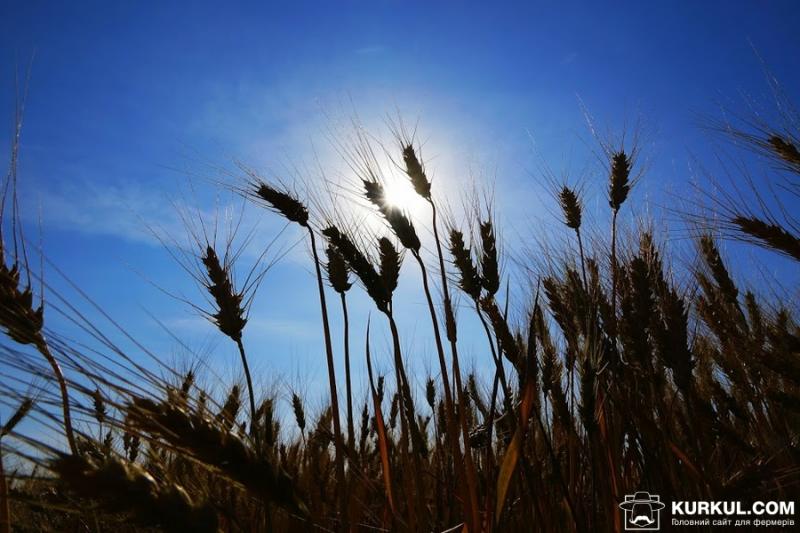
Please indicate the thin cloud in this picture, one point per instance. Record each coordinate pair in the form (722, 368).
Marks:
(371, 50)
(106, 209)
(258, 327)
(139, 214)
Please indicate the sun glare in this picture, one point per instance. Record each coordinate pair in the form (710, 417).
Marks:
(401, 195)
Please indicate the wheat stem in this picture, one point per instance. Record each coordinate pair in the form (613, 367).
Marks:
(41, 345)
(614, 271)
(408, 425)
(472, 499)
(350, 426)
(500, 375)
(337, 430)
(250, 394)
(471, 475)
(583, 258)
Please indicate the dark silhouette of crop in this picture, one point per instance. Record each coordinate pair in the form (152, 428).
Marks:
(625, 370)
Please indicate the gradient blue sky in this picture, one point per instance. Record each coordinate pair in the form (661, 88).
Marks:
(123, 93)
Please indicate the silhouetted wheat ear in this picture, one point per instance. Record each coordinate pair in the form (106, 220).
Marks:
(186, 386)
(131, 441)
(374, 192)
(401, 225)
(22, 410)
(619, 185)
(714, 261)
(269, 426)
(126, 487)
(338, 273)
(769, 235)
(469, 280)
(21, 320)
(230, 409)
(299, 412)
(390, 260)
(416, 172)
(229, 317)
(380, 387)
(394, 410)
(786, 151)
(430, 393)
(471, 391)
(490, 270)
(98, 406)
(360, 265)
(672, 338)
(363, 430)
(219, 449)
(571, 206)
(288, 206)
(508, 344)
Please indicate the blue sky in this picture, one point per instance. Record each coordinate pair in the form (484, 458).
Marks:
(126, 100)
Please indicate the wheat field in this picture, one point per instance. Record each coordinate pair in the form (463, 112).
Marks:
(627, 369)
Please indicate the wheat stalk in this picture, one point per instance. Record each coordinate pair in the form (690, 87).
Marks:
(23, 323)
(294, 210)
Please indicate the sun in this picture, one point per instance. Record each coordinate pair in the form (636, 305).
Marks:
(401, 195)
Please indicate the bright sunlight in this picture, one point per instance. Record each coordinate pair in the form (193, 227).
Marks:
(400, 194)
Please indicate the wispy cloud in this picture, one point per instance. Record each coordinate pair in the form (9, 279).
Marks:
(258, 327)
(106, 209)
(569, 58)
(371, 50)
(264, 327)
(136, 213)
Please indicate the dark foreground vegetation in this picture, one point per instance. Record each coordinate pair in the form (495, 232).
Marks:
(629, 370)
